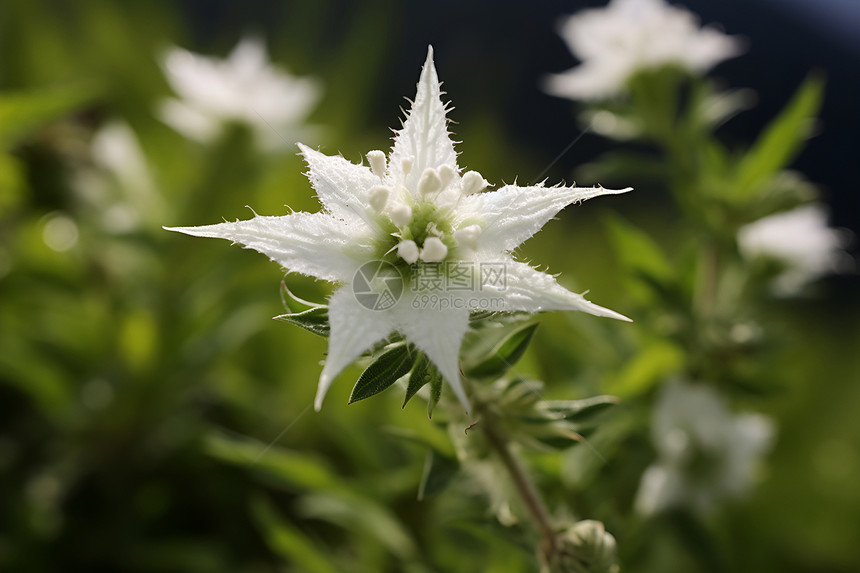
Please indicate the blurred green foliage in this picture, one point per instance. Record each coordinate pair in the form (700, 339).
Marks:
(153, 419)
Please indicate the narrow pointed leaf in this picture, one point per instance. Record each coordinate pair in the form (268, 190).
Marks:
(435, 394)
(636, 250)
(523, 392)
(580, 410)
(559, 441)
(312, 319)
(288, 541)
(505, 354)
(392, 365)
(422, 372)
(781, 141)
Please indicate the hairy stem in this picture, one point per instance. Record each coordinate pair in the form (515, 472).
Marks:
(523, 484)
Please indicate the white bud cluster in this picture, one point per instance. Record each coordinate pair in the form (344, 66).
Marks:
(440, 185)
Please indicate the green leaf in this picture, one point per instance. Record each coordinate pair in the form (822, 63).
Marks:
(308, 315)
(654, 363)
(422, 373)
(359, 513)
(435, 394)
(580, 410)
(292, 469)
(635, 249)
(392, 365)
(556, 441)
(312, 319)
(288, 541)
(780, 142)
(503, 354)
(22, 113)
(521, 392)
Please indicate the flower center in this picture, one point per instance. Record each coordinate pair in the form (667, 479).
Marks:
(426, 235)
(419, 222)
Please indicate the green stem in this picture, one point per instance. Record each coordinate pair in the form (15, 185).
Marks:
(523, 484)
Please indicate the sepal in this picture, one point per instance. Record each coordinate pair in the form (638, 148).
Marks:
(493, 349)
(395, 362)
(308, 315)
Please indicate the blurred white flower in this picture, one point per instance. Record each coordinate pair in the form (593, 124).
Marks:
(242, 88)
(705, 453)
(119, 185)
(626, 36)
(801, 240)
(404, 218)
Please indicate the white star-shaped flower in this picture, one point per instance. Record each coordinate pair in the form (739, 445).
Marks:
(413, 218)
(243, 88)
(626, 36)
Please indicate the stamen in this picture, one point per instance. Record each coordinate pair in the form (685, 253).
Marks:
(377, 162)
(429, 182)
(378, 197)
(472, 182)
(446, 173)
(467, 237)
(408, 251)
(434, 250)
(401, 214)
(406, 165)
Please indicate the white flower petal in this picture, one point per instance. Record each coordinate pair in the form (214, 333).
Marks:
(244, 87)
(248, 57)
(354, 329)
(438, 334)
(659, 489)
(513, 214)
(116, 149)
(314, 244)
(801, 239)
(526, 289)
(190, 121)
(616, 41)
(190, 75)
(425, 134)
(342, 186)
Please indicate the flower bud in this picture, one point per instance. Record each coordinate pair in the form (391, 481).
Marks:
(585, 547)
